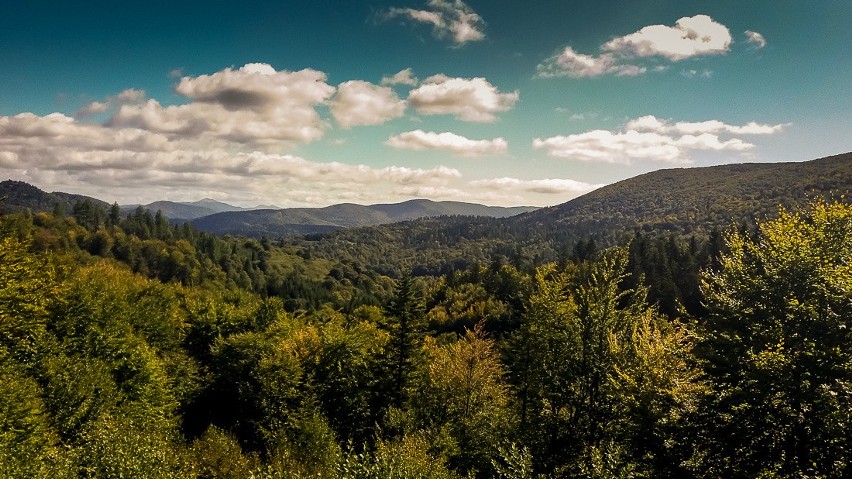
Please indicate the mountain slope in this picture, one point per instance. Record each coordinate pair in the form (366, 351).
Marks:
(20, 196)
(678, 201)
(186, 211)
(274, 223)
(686, 199)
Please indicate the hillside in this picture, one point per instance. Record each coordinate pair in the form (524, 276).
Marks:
(686, 199)
(20, 196)
(186, 210)
(680, 201)
(275, 223)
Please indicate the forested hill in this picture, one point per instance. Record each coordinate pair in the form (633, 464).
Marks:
(274, 223)
(20, 196)
(185, 210)
(688, 199)
(681, 201)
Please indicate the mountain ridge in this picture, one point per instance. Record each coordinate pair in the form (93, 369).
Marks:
(682, 201)
(287, 221)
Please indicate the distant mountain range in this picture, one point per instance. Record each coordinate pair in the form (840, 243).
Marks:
(186, 211)
(678, 201)
(274, 223)
(221, 218)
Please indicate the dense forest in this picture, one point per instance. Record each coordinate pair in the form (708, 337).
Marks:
(132, 347)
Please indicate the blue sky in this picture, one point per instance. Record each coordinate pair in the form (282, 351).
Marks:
(497, 102)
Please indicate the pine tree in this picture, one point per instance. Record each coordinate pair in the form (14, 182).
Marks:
(406, 314)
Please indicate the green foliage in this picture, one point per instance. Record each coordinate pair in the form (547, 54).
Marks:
(29, 447)
(132, 348)
(28, 285)
(779, 349)
(598, 373)
(407, 458)
(406, 328)
(217, 454)
(127, 444)
(464, 398)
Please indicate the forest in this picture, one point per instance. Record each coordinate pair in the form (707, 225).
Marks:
(132, 347)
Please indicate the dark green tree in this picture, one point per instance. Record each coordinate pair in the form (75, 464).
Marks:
(405, 324)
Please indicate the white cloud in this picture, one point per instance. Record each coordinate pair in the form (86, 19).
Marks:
(257, 86)
(362, 103)
(422, 140)
(653, 139)
(652, 123)
(692, 73)
(543, 186)
(134, 165)
(449, 19)
(608, 147)
(755, 39)
(252, 105)
(577, 65)
(646, 123)
(130, 96)
(403, 77)
(470, 99)
(689, 37)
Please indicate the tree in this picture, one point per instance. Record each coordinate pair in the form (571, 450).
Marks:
(779, 349)
(405, 314)
(463, 395)
(598, 373)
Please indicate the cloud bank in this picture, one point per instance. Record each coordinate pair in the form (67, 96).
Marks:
(230, 138)
(649, 138)
(58, 150)
(422, 140)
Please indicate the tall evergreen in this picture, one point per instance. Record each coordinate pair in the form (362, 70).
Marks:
(405, 313)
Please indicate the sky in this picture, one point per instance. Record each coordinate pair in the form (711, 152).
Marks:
(489, 101)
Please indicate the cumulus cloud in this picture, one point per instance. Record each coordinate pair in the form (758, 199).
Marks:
(449, 19)
(403, 77)
(423, 140)
(130, 96)
(689, 37)
(252, 105)
(362, 103)
(136, 164)
(654, 139)
(755, 39)
(469, 99)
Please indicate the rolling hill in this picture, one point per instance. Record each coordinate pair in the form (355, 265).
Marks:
(679, 201)
(688, 199)
(275, 223)
(20, 196)
(186, 211)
